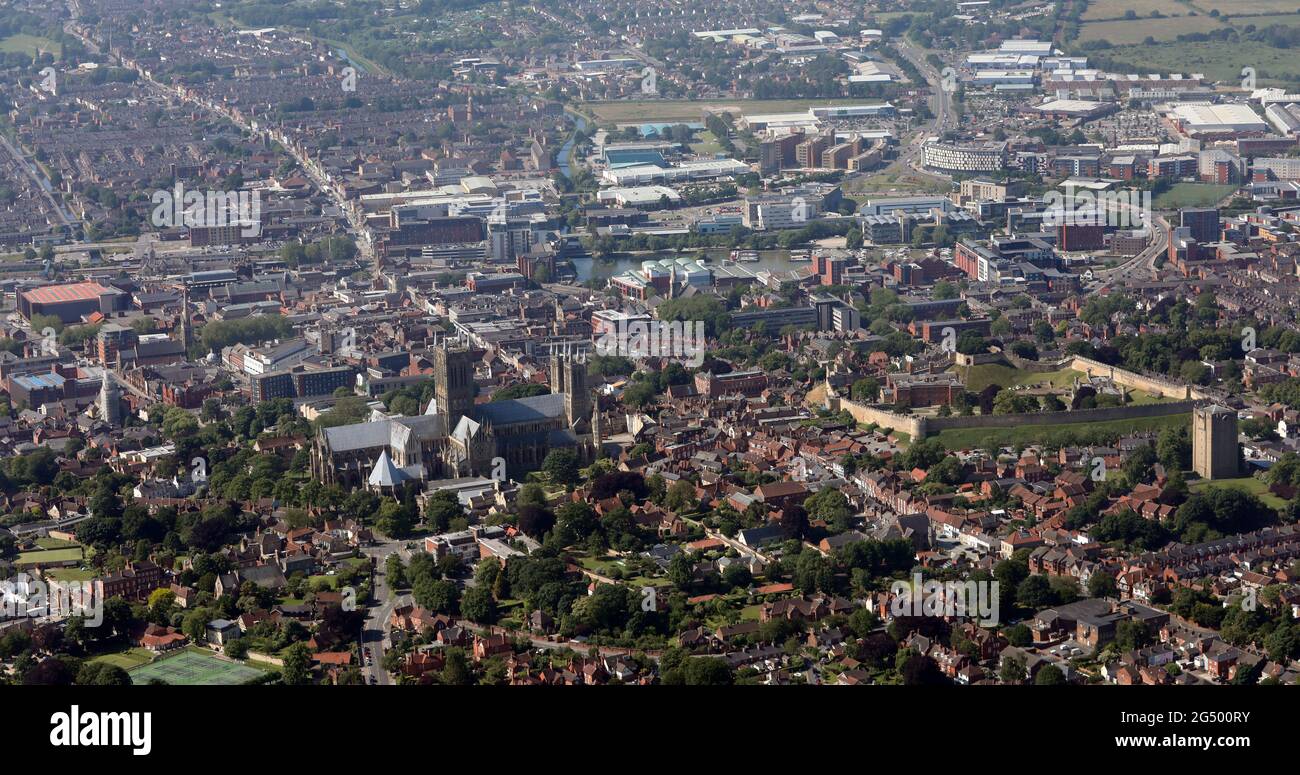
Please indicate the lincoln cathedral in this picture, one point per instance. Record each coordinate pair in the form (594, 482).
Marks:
(456, 437)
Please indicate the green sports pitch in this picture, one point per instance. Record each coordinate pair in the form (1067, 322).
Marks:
(194, 668)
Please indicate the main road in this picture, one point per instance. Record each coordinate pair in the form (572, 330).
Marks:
(374, 630)
(309, 166)
(941, 106)
(1142, 263)
(41, 182)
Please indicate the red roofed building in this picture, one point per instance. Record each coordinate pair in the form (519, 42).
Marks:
(157, 638)
(332, 658)
(72, 301)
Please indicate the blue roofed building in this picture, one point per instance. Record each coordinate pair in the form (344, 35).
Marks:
(36, 389)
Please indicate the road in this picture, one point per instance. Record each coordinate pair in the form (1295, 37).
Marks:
(374, 630)
(941, 105)
(39, 179)
(308, 165)
(1143, 263)
(313, 170)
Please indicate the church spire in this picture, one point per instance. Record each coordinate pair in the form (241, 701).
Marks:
(596, 441)
(186, 335)
(110, 401)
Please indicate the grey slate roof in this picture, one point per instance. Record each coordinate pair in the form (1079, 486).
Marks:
(367, 435)
(520, 410)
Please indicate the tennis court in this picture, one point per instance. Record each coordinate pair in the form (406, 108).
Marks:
(192, 668)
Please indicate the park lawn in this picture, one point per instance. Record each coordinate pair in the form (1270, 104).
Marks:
(317, 583)
(45, 542)
(42, 556)
(985, 374)
(127, 660)
(899, 181)
(1142, 398)
(988, 438)
(22, 43)
(604, 568)
(1249, 484)
(70, 574)
(1191, 195)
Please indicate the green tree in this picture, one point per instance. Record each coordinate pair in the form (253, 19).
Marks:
(439, 596)
(680, 496)
(477, 605)
(1013, 669)
(1049, 675)
(456, 670)
(297, 665)
(1102, 584)
(561, 466)
(707, 671)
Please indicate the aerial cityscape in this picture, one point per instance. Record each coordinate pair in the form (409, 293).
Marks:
(599, 342)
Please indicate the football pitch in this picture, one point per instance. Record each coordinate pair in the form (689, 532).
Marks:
(194, 668)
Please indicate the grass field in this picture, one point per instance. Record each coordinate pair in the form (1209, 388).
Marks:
(1124, 31)
(901, 181)
(1270, 20)
(1239, 7)
(985, 374)
(45, 542)
(70, 574)
(1249, 484)
(606, 568)
(1218, 62)
(988, 438)
(23, 43)
(127, 660)
(1115, 9)
(195, 667)
(323, 582)
(706, 145)
(1142, 398)
(49, 555)
(1191, 195)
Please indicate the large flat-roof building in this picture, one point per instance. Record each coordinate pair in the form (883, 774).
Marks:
(1218, 120)
(70, 302)
(699, 169)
